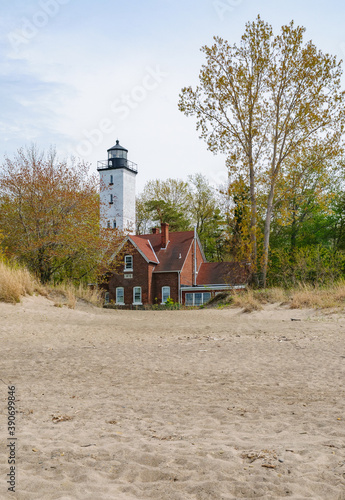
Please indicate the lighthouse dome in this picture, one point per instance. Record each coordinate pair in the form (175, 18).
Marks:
(117, 151)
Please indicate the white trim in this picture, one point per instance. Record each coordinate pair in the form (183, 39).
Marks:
(162, 294)
(200, 288)
(185, 259)
(142, 253)
(154, 253)
(202, 293)
(141, 296)
(201, 249)
(126, 240)
(175, 271)
(128, 269)
(164, 248)
(121, 245)
(123, 290)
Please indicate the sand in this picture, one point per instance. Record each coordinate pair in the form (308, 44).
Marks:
(173, 405)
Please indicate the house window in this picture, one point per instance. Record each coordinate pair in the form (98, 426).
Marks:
(189, 299)
(111, 198)
(120, 295)
(114, 224)
(137, 295)
(111, 180)
(129, 263)
(197, 299)
(165, 293)
(106, 298)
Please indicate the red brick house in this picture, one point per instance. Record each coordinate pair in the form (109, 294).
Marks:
(153, 267)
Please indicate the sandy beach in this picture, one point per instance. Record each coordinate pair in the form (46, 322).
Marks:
(173, 405)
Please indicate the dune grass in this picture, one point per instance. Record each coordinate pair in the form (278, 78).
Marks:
(319, 297)
(247, 301)
(303, 296)
(15, 282)
(67, 294)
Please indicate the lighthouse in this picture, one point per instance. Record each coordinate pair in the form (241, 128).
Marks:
(117, 190)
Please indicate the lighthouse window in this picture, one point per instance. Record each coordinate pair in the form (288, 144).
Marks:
(111, 199)
(114, 224)
(117, 154)
(111, 179)
(129, 263)
(108, 224)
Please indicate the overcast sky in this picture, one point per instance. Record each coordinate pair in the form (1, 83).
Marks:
(80, 74)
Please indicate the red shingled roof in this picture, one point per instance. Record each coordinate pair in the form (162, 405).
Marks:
(223, 273)
(170, 258)
(145, 247)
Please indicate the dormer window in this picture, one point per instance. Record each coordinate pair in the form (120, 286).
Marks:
(128, 262)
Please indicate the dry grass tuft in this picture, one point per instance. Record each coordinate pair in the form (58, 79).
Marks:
(91, 295)
(15, 282)
(303, 296)
(321, 298)
(272, 295)
(247, 301)
(67, 294)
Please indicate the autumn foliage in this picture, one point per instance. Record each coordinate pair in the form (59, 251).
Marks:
(274, 105)
(49, 217)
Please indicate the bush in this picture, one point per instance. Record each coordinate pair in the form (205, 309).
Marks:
(309, 265)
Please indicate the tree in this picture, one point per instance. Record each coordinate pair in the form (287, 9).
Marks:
(265, 103)
(163, 211)
(183, 204)
(143, 220)
(236, 206)
(206, 215)
(50, 216)
(164, 201)
(302, 215)
(172, 191)
(203, 200)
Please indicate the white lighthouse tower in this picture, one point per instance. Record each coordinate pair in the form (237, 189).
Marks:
(117, 190)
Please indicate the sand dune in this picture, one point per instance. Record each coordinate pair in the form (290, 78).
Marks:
(208, 404)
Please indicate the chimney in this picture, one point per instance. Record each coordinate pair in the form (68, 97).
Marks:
(155, 230)
(165, 234)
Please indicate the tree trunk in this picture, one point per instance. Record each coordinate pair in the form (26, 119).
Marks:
(294, 229)
(253, 224)
(267, 236)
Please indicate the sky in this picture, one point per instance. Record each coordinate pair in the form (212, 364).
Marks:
(80, 74)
